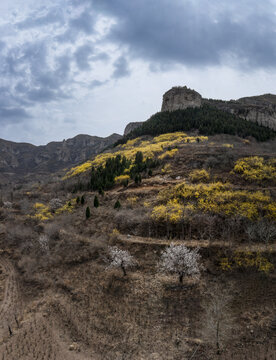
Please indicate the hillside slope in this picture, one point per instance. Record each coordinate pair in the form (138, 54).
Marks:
(62, 299)
(21, 159)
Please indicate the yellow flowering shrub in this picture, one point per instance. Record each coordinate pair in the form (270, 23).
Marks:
(146, 204)
(150, 148)
(42, 212)
(245, 260)
(219, 198)
(199, 175)
(168, 154)
(120, 179)
(228, 146)
(255, 168)
(68, 207)
(132, 200)
(166, 169)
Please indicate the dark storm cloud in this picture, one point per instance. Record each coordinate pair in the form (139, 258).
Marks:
(12, 115)
(121, 68)
(195, 32)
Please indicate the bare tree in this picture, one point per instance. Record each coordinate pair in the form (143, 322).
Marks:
(178, 259)
(263, 231)
(218, 322)
(120, 259)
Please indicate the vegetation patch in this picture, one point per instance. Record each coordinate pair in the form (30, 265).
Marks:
(163, 146)
(206, 119)
(199, 175)
(256, 169)
(246, 260)
(214, 198)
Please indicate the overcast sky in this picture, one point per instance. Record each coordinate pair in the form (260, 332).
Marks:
(91, 66)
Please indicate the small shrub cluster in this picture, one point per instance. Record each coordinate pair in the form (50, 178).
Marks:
(199, 175)
(245, 260)
(256, 169)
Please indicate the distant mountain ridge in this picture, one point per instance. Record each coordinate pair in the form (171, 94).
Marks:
(22, 159)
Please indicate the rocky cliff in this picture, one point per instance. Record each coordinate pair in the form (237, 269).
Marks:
(21, 159)
(131, 126)
(180, 98)
(260, 109)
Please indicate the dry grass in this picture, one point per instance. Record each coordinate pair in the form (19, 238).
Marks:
(64, 304)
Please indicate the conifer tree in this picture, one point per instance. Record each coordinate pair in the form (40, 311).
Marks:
(117, 205)
(82, 200)
(96, 202)
(87, 212)
(78, 200)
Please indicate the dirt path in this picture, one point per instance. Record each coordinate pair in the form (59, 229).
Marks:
(196, 243)
(11, 305)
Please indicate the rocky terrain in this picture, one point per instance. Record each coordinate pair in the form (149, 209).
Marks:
(161, 247)
(60, 298)
(22, 159)
(259, 109)
(131, 126)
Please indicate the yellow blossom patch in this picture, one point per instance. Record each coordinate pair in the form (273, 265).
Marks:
(256, 169)
(149, 148)
(120, 179)
(199, 175)
(245, 260)
(218, 198)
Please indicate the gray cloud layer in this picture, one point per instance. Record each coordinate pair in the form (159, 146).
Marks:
(46, 51)
(196, 32)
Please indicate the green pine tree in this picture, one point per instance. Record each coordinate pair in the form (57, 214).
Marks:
(87, 212)
(96, 202)
(117, 205)
(82, 200)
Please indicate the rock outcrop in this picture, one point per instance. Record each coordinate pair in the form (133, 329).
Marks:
(260, 109)
(131, 126)
(180, 98)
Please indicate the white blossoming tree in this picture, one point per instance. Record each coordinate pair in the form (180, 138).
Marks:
(43, 241)
(55, 204)
(120, 259)
(178, 259)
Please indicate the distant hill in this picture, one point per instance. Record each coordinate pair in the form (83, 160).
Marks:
(206, 119)
(23, 159)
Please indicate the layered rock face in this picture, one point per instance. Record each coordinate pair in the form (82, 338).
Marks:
(260, 109)
(180, 98)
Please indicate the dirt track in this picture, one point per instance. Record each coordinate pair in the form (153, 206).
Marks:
(34, 335)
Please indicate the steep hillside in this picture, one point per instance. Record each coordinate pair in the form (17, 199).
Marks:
(206, 120)
(66, 295)
(21, 159)
(255, 109)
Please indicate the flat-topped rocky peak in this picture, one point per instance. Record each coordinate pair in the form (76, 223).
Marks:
(259, 109)
(180, 98)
